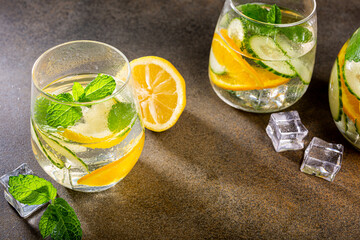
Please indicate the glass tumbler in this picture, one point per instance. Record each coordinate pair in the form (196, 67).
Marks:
(262, 56)
(344, 90)
(86, 127)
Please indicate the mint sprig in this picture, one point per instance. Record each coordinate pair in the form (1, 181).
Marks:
(54, 115)
(59, 219)
(260, 13)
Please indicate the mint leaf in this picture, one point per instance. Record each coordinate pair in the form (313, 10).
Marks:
(254, 11)
(31, 190)
(40, 110)
(274, 15)
(77, 91)
(353, 49)
(101, 87)
(120, 116)
(297, 34)
(61, 115)
(60, 221)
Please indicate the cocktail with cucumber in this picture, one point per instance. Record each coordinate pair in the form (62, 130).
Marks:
(344, 90)
(262, 55)
(86, 130)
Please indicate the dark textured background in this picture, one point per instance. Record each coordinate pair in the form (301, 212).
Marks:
(215, 173)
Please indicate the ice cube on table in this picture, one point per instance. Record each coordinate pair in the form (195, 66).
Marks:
(322, 159)
(286, 131)
(24, 210)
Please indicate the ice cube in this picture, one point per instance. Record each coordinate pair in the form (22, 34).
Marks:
(23, 209)
(286, 131)
(322, 159)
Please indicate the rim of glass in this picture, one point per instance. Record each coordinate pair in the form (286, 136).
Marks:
(274, 24)
(81, 103)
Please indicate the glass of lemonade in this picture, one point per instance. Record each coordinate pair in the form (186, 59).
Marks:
(344, 90)
(86, 127)
(262, 55)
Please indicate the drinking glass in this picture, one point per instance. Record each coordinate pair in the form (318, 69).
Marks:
(344, 90)
(86, 144)
(260, 61)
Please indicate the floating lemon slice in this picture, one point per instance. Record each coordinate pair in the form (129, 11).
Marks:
(160, 90)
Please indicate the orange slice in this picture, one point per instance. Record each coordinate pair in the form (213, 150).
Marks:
(240, 75)
(350, 102)
(160, 90)
(114, 171)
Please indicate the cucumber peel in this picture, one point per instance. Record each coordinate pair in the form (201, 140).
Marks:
(335, 93)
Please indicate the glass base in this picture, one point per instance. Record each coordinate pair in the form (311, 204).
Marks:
(264, 100)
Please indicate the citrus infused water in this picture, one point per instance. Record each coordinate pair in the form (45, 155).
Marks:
(262, 56)
(344, 90)
(83, 140)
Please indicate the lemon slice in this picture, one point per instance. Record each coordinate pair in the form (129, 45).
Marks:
(160, 90)
(116, 170)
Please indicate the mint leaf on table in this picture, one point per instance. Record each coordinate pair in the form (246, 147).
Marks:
(120, 116)
(31, 190)
(101, 87)
(77, 91)
(61, 115)
(60, 221)
(297, 34)
(353, 49)
(274, 15)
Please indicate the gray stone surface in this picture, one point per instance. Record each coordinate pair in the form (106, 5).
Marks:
(214, 175)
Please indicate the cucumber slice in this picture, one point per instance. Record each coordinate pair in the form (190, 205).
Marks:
(335, 92)
(64, 151)
(236, 31)
(215, 65)
(273, 58)
(352, 77)
(53, 159)
(300, 55)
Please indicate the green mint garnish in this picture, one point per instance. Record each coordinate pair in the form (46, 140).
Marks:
(297, 34)
(61, 115)
(353, 49)
(120, 116)
(274, 15)
(101, 87)
(52, 115)
(59, 219)
(31, 190)
(40, 110)
(77, 91)
(255, 11)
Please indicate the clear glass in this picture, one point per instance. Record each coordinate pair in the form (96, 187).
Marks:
(286, 131)
(99, 149)
(263, 67)
(322, 159)
(344, 95)
(24, 210)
